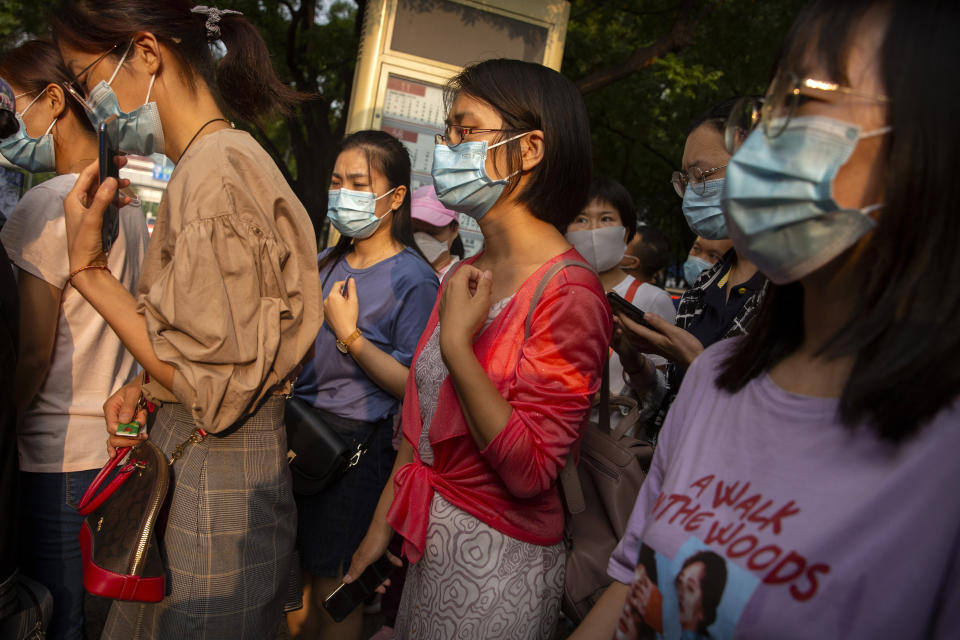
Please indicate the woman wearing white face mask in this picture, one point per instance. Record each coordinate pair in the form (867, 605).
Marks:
(227, 305)
(435, 231)
(600, 233)
(61, 412)
(378, 295)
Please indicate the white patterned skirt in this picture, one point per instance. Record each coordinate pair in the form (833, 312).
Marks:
(474, 583)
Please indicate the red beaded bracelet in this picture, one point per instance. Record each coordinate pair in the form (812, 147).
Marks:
(89, 266)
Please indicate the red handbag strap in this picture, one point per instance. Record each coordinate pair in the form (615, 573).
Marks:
(632, 290)
(90, 499)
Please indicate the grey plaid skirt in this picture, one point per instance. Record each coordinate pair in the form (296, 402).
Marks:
(229, 537)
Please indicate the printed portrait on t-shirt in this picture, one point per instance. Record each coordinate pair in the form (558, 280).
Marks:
(695, 595)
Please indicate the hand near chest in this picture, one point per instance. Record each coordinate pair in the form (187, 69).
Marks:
(464, 306)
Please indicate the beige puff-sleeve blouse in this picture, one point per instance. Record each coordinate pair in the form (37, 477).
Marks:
(229, 286)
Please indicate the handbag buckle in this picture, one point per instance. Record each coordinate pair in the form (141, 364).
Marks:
(355, 458)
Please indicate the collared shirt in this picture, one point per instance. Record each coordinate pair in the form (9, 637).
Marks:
(725, 318)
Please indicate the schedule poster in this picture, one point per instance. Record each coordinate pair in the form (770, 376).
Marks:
(413, 112)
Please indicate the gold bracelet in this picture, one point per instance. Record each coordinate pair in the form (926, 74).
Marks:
(89, 266)
(343, 344)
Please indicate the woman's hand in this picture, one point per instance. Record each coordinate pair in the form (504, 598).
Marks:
(464, 306)
(341, 310)
(371, 548)
(120, 407)
(83, 209)
(675, 344)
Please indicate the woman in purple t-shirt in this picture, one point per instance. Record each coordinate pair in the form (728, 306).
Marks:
(805, 480)
(378, 293)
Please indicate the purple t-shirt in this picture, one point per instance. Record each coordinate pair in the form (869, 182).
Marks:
(395, 297)
(764, 517)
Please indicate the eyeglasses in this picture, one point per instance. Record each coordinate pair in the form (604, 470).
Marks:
(779, 105)
(76, 86)
(455, 133)
(695, 177)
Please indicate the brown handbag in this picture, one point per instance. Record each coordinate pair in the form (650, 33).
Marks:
(601, 490)
(600, 493)
(118, 547)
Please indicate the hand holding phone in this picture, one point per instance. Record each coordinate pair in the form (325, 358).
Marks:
(107, 152)
(620, 305)
(348, 597)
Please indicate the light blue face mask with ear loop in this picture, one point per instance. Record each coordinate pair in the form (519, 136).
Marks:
(353, 213)
(36, 155)
(779, 201)
(139, 131)
(460, 177)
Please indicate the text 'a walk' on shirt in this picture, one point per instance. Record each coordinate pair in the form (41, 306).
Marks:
(395, 297)
(764, 517)
(62, 430)
(229, 287)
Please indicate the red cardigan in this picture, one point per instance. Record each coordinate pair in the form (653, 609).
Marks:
(549, 380)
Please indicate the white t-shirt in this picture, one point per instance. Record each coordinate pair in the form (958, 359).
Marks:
(647, 298)
(63, 430)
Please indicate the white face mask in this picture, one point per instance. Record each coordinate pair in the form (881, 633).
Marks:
(602, 248)
(430, 247)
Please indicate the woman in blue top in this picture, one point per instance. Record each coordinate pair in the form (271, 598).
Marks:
(378, 292)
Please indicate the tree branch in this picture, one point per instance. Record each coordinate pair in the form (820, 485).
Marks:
(680, 35)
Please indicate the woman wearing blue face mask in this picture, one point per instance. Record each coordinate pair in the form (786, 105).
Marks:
(723, 296)
(841, 408)
(61, 409)
(503, 375)
(227, 305)
(378, 293)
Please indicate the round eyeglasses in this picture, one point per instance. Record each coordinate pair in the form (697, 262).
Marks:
(779, 105)
(694, 177)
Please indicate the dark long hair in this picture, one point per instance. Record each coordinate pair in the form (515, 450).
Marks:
(244, 81)
(905, 326)
(530, 96)
(388, 157)
(36, 64)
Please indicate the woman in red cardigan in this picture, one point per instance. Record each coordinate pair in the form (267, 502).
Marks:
(492, 408)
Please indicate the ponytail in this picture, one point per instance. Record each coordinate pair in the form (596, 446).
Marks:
(244, 81)
(245, 77)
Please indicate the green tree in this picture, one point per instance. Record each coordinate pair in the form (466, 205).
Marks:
(647, 69)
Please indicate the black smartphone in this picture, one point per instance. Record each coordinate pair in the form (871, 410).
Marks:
(348, 597)
(107, 152)
(620, 305)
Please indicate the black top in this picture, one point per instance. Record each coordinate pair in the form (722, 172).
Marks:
(719, 311)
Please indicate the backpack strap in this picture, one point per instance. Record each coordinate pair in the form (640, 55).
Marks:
(569, 480)
(632, 290)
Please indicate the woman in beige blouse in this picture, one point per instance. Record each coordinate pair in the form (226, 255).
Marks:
(227, 305)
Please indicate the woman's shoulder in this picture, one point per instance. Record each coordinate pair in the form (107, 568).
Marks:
(413, 267)
(36, 208)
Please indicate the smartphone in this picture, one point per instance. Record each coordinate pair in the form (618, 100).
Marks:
(107, 152)
(348, 597)
(620, 305)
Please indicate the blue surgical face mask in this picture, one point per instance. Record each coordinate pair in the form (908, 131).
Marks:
(139, 131)
(35, 155)
(779, 201)
(460, 177)
(693, 267)
(353, 213)
(703, 212)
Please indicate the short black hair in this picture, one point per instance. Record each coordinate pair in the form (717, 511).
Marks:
(531, 96)
(612, 192)
(903, 330)
(653, 251)
(716, 116)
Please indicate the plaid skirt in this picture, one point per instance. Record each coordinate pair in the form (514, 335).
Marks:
(229, 537)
